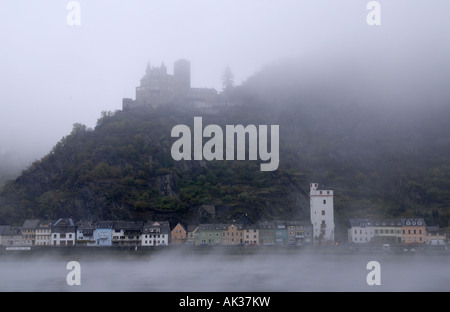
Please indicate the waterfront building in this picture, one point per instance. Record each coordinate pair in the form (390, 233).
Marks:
(266, 233)
(281, 234)
(233, 234)
(299, 232)
(11, 236)
(127, 233)
(387, 231)
(435, 236)
(413, 231)
(43, 233)
(361, 231)
(178, 234)
(29, 228)
(63, 233)
(322, 214)
(210, 234)
(251, 234)
(155, 233)
(85, 233)
(103, 233)
(191, 234)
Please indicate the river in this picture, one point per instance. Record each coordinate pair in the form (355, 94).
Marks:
(218, 270)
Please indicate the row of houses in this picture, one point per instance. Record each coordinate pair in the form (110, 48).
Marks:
(65, 232)
(262, 233)
(394, 231)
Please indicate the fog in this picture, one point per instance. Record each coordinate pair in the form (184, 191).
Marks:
(53, 75)
(221, 271)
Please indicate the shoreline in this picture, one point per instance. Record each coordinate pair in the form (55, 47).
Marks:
(240, 250)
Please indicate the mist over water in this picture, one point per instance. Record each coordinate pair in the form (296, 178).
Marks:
(217, 271)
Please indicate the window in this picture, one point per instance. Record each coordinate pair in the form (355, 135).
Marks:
(324, 201)
(323, 212)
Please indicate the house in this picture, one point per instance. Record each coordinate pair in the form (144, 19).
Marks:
(299, 232)
(266, 233)
(85, 233)
(251, 234)
(43, 233)
(127, 233)
(387, 231)
(191, 234)
(2, 229)
(29, 228)
(210, 234)
(361, 231)
(156, 233)
(12, 236)
(281, 234)
(178, 234)
(435, 237)
(63, 233)
(413, 230)
(103, 233)
(233, 234)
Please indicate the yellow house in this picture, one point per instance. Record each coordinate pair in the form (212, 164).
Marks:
(233, 235)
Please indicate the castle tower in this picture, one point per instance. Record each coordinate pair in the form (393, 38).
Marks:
(322, 214)
(182, 75)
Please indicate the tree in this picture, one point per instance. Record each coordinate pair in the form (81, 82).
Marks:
(227, 79)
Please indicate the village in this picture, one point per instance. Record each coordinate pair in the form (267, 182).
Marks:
(319, 230)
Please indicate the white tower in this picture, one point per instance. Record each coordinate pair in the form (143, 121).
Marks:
(322, 214)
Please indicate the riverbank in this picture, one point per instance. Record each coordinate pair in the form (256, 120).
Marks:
(83, 251)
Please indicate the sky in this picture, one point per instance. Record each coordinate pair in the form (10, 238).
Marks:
(53, 74)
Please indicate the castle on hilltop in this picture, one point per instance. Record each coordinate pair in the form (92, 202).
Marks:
(159, 87)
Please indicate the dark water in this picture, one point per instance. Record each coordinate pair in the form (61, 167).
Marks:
(179, 271)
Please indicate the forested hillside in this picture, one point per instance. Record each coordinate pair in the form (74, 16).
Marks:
(380, 163)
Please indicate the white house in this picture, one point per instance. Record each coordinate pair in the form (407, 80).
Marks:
(361, 231)
(322, 214)
(43, 233)
(63, 233)
(156, 234)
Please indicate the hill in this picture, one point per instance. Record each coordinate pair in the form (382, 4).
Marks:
(380, 162)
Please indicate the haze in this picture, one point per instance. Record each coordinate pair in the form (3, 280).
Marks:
(53, 75)
(223, 271)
